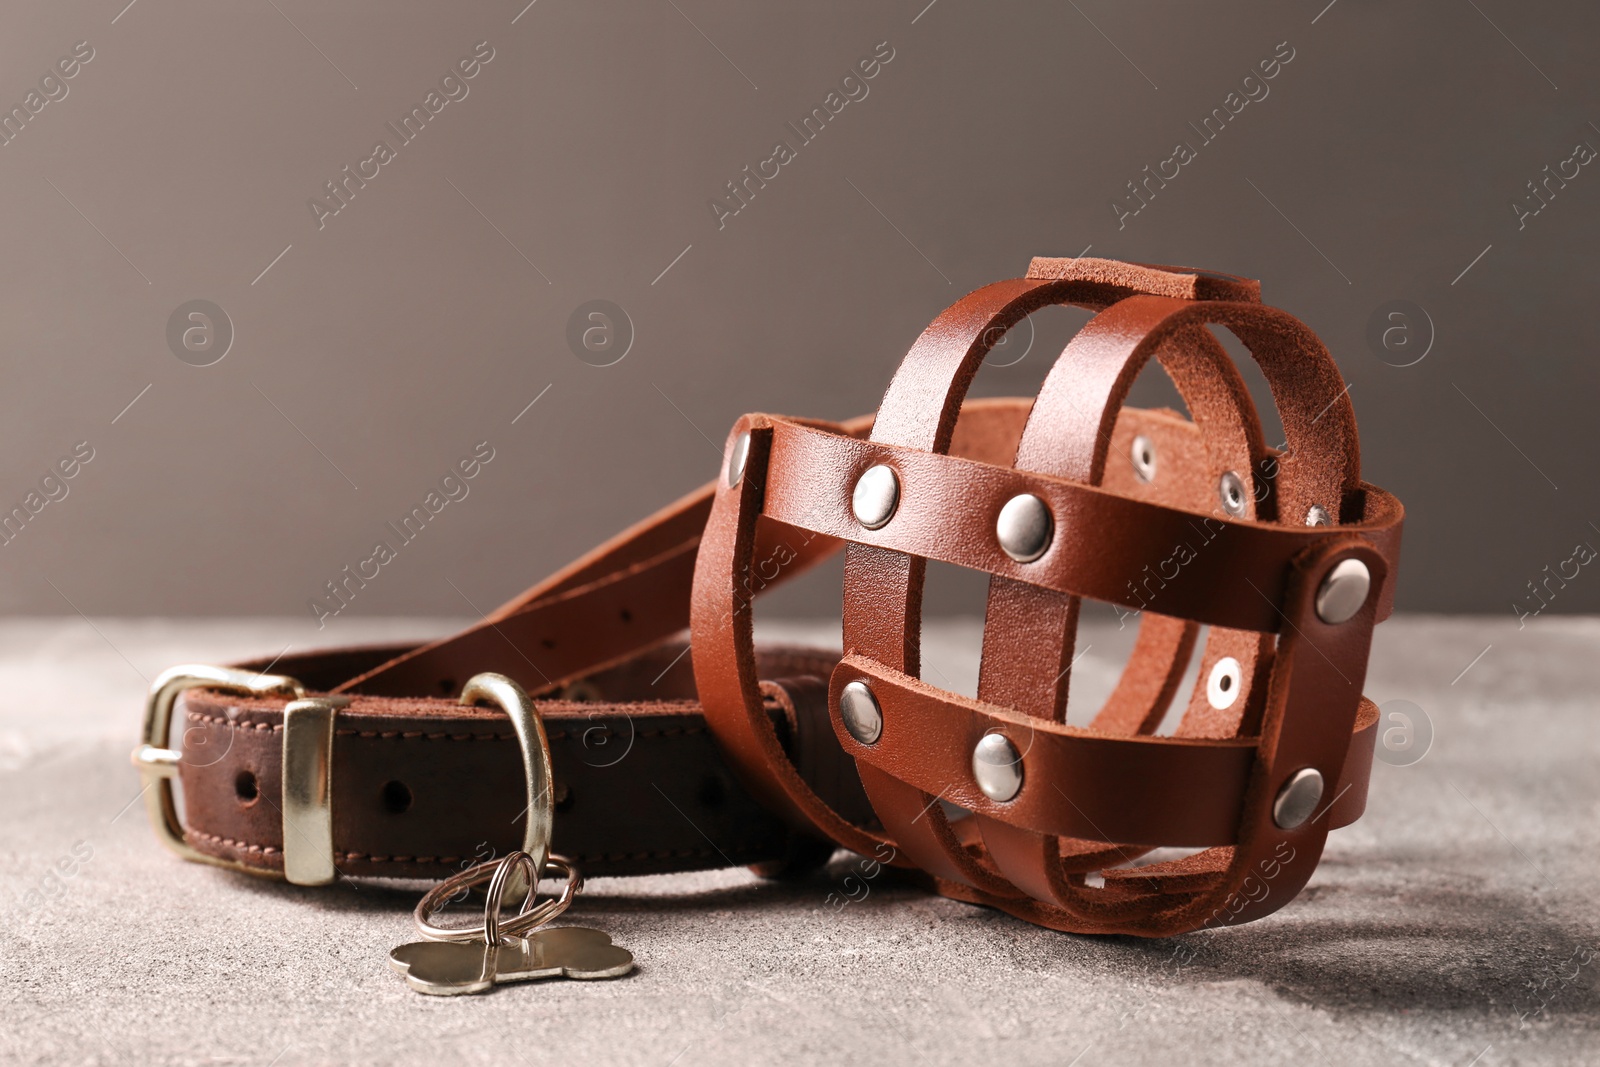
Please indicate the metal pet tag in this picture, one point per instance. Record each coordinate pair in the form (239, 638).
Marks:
(453, 968)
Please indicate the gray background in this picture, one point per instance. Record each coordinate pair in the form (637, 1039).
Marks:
(429, 313)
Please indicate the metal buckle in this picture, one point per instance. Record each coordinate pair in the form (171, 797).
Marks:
(308, 765)
(158, 764)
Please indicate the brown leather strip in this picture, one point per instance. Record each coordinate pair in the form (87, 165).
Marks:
(1081, 782)
(557, 638)
(722, 632)
(948, 506)
(1181, 283)
(629, 594)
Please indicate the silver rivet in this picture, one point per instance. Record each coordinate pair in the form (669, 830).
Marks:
(737, 455)
(1230, 490)
(1024, 527)
(1297, 800)
(1143, 454)
(860, 712)
(1343, 592)
(1227, 679)
(876, 495)
(997, 767)
(1318, 516)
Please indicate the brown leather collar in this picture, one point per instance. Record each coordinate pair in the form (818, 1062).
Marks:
(749, 762)
(423, 788)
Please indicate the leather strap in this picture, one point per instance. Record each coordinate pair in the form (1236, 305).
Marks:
(948, 503)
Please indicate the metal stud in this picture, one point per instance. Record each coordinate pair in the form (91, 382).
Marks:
(1025, 527)
(1318, 516)
(860, 712)
(1298, 799)
(1230, 490)
(1143, 454)
(1343, 591)
(738, 454)
(1225, 683)
(876, 495)
(998, 767)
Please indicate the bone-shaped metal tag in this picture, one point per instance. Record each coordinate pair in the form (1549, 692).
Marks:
(451, 968)
(445, 968)
(565, 951)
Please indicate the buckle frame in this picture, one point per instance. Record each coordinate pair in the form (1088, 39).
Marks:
(158, 763)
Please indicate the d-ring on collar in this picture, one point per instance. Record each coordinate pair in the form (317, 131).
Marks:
(536, 769)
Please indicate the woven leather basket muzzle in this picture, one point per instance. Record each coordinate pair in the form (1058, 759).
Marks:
(1284, 553)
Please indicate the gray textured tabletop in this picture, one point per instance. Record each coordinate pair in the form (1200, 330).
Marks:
(1456, 923)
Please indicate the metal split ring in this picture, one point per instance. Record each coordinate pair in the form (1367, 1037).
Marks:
(499, 874)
